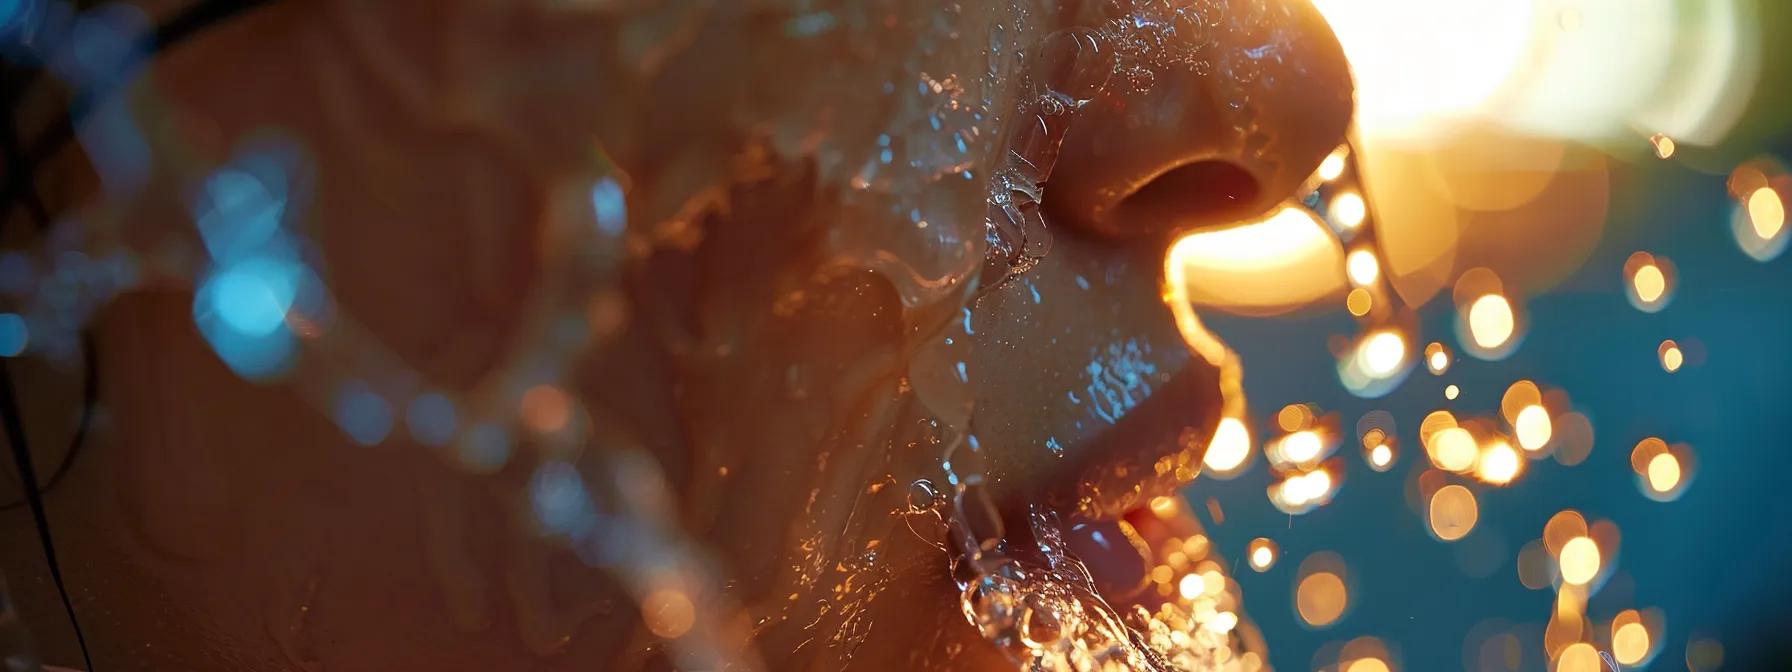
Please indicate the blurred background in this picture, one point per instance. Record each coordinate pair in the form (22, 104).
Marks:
(1582, 204)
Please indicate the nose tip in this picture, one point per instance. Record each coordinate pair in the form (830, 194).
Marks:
(1209, 145)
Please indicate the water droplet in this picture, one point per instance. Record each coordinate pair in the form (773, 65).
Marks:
(922, 496)
(1074, 63)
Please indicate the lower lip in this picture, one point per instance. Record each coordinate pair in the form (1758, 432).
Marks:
(1152, 450)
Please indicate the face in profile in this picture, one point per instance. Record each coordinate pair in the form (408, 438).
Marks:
(654, 335)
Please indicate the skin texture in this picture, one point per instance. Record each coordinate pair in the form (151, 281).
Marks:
(786, 398)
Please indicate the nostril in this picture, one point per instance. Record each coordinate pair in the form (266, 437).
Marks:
(1187, 196)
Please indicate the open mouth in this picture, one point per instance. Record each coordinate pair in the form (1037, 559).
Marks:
(1109, 563)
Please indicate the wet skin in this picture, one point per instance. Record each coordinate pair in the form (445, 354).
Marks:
(787, 398)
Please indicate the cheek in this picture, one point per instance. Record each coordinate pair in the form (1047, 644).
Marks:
(182, 428)
(426, 211)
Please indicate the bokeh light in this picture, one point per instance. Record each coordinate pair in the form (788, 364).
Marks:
(1670, 355)
(1230, 447)
(1262, 553)
(1579, 560)
(1437, 358)
(1453, 512)
(1322, 593)
(1649, 281)
(1499, 463)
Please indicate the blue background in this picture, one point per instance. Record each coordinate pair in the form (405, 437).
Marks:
(1714, 561)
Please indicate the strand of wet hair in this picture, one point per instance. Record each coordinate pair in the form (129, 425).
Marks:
(40, 215)
(15, 421)
(21, 453)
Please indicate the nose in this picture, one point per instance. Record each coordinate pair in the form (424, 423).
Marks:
(1213, 141)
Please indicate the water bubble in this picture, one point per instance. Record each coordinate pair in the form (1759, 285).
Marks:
(922, 496)
(1040, 624)
(1074, 63)
(991, 603)
(1035, 145)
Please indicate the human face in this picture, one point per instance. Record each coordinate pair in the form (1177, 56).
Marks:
(883, 335)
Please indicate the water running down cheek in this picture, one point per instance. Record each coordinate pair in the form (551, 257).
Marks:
(1005, 431)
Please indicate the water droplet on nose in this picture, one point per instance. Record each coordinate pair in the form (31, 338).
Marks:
(922, 495)
(1073, 63)
(1036, 142)
(991, 603)
(1040, 625)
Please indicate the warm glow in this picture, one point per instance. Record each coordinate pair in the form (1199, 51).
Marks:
(1230, 446)
(1381, 455)
(1163, 506)
(1302, 446)
(1418, 62)
(1262, 553)
(1664, 472)
(1450, 391)
(1579, 657)
(1587, 70)
(1437, 358)
(1664, 145)
(1333, 165)
(1359, 302)
(1191, 586)
(1348, 210)
(1320, 598)
(1453, 512)
(668, 613)
(1532, 427)
(1499, 463)
(1434, 422)
(1562, 527)
(1294, 417)
(1453, 449)
(1362, 267)
(1766, 212)
(1287, 260)
(1301, 492)
(1630, 643)
(1490, 321)
(1579, 561)
(1381, 355)
(1671, 357)
(1650, 283)
(1366, 665)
